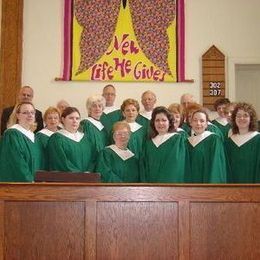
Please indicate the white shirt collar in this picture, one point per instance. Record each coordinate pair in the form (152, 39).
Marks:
(239, 140)
(179, 129)
(73, 136)
(123, 154)
(27, 133)
(196, 139)
(146, 114)
(111, 109)
(134, 126)
(222, 120)
(160, 139)
(47, 132)
(96, 123)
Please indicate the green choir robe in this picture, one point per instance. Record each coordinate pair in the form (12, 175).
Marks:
(137, 138)
(143, 119)
(223, 126)
(243, 154)
(109, 117)
(211, 128)
(207, 158)
(18, 155)
(95, 132)
(71, 152)
(41, 139)
(165, 159)
(116, 165)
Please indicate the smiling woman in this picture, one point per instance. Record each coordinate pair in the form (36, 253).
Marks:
(165, 156)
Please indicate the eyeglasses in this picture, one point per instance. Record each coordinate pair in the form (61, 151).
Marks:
(28, 113)
(123, 134)
(242, 116)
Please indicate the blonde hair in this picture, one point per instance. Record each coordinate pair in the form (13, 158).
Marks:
(13, 117)
(50, 110)
(121, 124)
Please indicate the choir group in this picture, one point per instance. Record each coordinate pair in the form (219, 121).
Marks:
(178, 144)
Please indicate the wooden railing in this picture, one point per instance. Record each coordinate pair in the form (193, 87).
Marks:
(98, 221)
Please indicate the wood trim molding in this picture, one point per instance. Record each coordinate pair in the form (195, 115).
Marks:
(11, 51)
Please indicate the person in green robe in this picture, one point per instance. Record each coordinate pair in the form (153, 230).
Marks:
(116, 162)
(206, 150)
(130, 109)
(243, 146)
(91, 126)
(148, 100)
(51, 119)
(178, 114)
(18, 152)
(68, 149)
(111, 113)
(221, 121)
(187, 127)
(165, 157)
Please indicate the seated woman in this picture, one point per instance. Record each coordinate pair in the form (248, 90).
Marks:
(92, 126)
(18, 153)
(207, 156)
(165, 156)
(116, 162)
(130, 109)
(243, 146)
(69, 149)
(51, 119)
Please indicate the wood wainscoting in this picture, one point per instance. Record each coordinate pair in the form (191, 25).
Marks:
(98, 221)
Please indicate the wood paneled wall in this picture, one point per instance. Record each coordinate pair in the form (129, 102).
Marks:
(96, 221)
(11, 51)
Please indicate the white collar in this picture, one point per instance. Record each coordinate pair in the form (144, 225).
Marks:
(179, 129)
(109, 110)
(160, 139)
(47, 132)
(196, 139)
(146, 114)
(134, 126)
(27, 133)
(222, 120)
(123, 154)
(239, 140)
(96, 123)
(73, 136)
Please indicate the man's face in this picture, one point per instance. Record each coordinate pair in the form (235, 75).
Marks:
(148, 101)
(109, 94)
(25, 95)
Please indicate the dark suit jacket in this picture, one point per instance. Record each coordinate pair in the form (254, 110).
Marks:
(8, 111)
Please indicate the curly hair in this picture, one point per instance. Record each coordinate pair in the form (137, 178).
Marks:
(130, 101)
(166, 112)
(248, 108)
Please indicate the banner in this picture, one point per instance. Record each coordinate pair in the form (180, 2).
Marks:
(124, 40)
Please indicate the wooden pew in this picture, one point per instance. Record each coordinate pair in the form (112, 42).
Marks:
(135, 221)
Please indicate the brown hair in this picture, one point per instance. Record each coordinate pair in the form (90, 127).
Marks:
(69, 110)
(130, 101)
(252, 113)
(166, 112)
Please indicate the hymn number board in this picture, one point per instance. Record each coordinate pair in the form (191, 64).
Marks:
(213, 76)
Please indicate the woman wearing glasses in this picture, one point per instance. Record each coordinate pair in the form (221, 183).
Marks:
(243, 146)
(116, 162)
(18, 151)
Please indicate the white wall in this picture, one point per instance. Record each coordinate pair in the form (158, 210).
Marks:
(232, 25)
